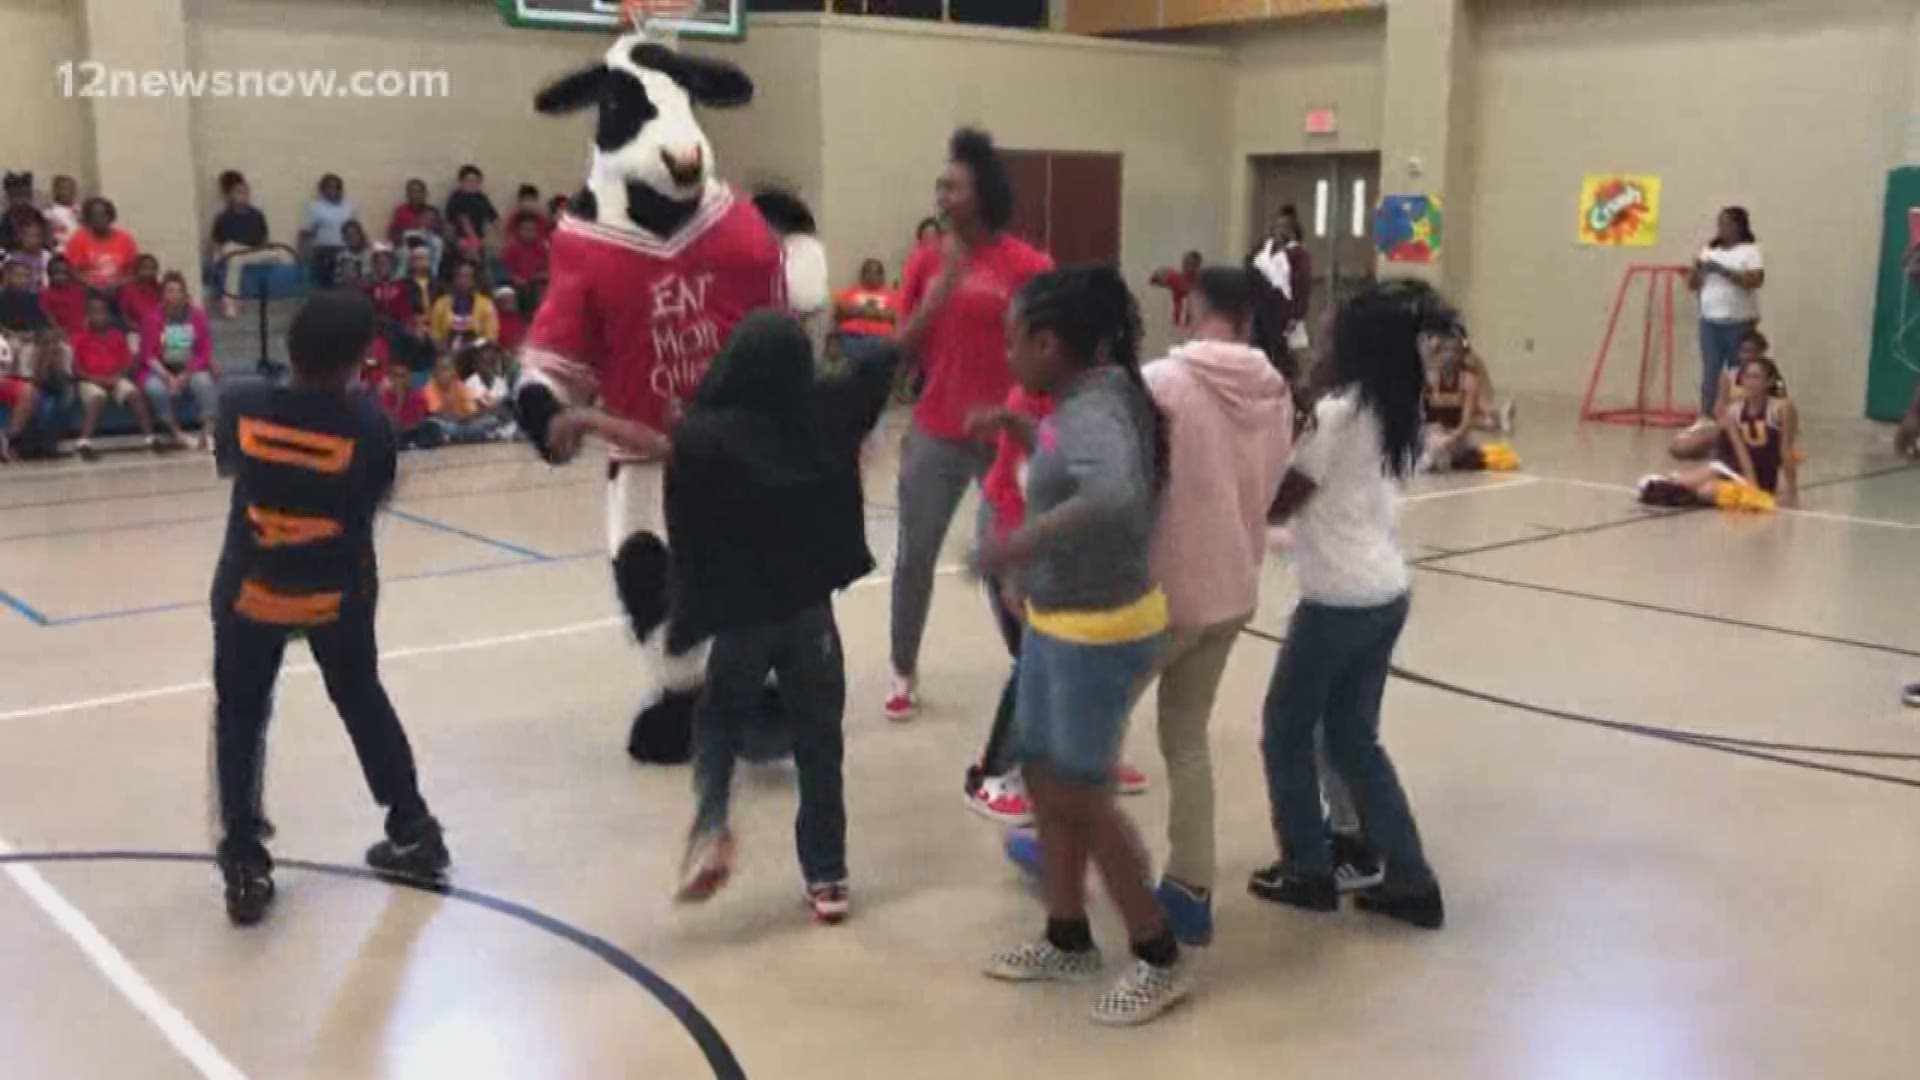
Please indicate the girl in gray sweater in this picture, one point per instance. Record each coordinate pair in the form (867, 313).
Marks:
(1095, 624)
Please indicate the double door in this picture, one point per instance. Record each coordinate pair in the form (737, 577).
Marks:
(1334, 196)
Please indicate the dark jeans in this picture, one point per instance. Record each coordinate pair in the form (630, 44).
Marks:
(246, 663)
(994, 760)
(1332, 673)
(1719, 352)
(804, 652)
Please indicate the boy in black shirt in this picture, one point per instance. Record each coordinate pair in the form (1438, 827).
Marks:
(311, 464)
(470, 214)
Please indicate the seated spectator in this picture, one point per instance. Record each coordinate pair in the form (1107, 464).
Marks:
(464, 314)
(102, 253)
(453, 410)
(176, 356)
(64, 299)
(406, 216)
(357, 246)
(527, 201)
(406, 409)
(430, 236)
(526, 257)
(488, 384)
(376, 368)
(419, 293)
(140, 296)
(470, 214)
(513, 325)
(104, 367)
(322, 230)
(240, 240)
(347, 272)
(20, 211)
(33, 252)
(865, 315)
(63, 214)
(555, 207)
(31, 351)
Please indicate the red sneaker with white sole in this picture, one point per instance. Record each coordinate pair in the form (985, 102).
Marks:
(1002, 800)
(830, 901)
(707, 867)
(902, 702)
(1130, 781)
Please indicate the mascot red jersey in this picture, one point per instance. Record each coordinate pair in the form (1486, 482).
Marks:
(653, 266)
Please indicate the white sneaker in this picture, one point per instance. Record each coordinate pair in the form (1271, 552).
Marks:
(1039, 961)
(1144, 992)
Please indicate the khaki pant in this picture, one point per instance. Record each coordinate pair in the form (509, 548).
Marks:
(238, 257)
(1189, 674)
(121, 392)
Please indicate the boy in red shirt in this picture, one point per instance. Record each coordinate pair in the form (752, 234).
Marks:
(103, 365)
(408, 215)
(404, 404)
(140, 297)
(1180, 283)
(64, 299)
(526, 256)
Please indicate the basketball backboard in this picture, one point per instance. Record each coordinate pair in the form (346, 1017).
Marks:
(708, 19)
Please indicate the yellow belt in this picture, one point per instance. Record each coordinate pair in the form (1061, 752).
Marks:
(1137, 621)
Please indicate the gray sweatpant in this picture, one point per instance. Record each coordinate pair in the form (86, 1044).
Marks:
(934, 475)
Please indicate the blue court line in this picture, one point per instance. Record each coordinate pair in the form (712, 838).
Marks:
(26, 610)
(39, 619)
(523, 552)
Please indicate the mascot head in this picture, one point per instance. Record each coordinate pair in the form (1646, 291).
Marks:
(651, 162)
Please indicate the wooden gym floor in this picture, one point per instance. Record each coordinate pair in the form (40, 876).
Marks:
(1659, 760)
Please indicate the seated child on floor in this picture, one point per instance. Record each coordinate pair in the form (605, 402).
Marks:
(1697, 443)
(452, 408)
(1758, 455)
(1455, 395)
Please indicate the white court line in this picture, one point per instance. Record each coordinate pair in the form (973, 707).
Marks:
(161, 1013)
(1518, 481)
(1822, 515)
(410, 652)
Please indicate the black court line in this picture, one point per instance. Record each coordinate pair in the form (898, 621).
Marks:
(1725, 744)
(1684, 613)
(708, 1038)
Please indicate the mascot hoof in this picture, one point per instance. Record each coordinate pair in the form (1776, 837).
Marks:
(768, 739)
(640, 578)
(663, 732)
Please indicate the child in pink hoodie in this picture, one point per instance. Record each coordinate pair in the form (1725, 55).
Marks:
(1230, 419)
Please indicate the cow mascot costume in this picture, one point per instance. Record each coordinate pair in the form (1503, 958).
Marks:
(653, 266)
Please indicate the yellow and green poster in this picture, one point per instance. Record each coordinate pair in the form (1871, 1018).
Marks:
(1620, 210)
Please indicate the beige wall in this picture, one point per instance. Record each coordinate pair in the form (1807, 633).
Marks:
(895, 91)
(1794, 108)
(41, 129)
(779, 139)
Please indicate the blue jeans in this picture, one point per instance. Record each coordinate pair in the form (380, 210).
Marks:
(1332, 674)
(1719, 352)
(1073, 701)
(804, 653)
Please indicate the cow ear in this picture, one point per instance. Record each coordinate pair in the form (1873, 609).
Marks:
(572, 93)
(715, 84)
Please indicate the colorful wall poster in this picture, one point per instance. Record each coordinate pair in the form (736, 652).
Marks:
(1620, 210)
(1407, 228)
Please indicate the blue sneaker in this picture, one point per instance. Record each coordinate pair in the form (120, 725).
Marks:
(1023, 850)
(1189, 913)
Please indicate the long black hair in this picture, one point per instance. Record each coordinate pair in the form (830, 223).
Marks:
(1742, 221)
(992, 186)
(1240, 294)
(1376, 352)
(1092, 312)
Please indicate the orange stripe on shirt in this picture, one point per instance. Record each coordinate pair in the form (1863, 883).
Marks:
(265, 605)
(275, 528)
(279, 444)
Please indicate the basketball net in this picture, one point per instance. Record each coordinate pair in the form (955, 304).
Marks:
(654, 18)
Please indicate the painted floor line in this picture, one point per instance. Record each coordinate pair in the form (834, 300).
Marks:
(1477, 489)
(172, 1024)
(198, 686)
(1821, 515)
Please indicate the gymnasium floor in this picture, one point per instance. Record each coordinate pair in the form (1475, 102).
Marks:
(1629, 895)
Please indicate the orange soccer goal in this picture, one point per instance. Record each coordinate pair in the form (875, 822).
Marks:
(1652, 393)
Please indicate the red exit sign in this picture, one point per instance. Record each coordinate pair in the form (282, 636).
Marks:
(1322, 121)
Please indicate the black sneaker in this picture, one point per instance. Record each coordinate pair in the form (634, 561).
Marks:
(1911, 695)
(1424, 910)
(1355, 866)
(1276, 885)
(86, 451)
(418, 850)
(249, 893)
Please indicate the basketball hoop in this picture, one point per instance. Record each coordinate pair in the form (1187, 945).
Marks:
(642, 15)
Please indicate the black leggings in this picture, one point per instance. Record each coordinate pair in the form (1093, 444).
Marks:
(246, 663)
(993, 759)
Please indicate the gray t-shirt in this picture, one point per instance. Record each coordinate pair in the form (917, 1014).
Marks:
(1098, 446)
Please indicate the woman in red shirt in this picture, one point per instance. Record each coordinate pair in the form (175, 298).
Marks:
(102, 254)
(865, 315)
(103, 366)
(955, 299)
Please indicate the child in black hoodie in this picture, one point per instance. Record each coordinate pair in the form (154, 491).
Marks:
(765, 523)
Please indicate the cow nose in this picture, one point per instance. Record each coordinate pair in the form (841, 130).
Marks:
(686, 166)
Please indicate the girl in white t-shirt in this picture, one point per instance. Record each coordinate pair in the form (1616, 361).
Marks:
(1342, 497)
(1728, 274)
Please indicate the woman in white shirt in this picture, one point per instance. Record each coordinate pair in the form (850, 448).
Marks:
(1727, 274)
(1342, 498)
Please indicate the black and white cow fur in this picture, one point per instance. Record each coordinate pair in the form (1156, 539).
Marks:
(652, 168)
